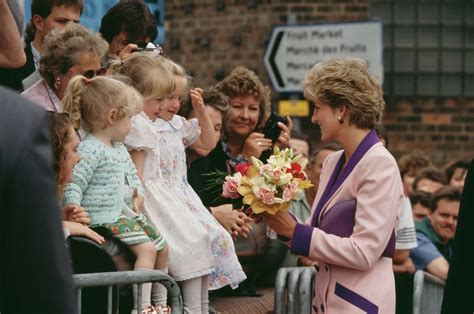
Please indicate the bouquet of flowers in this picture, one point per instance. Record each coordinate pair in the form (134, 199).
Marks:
(268, 187)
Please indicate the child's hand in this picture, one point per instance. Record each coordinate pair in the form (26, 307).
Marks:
(79, 230)
(196, 100)
(75, 213)
(235, 222)
(138, 202)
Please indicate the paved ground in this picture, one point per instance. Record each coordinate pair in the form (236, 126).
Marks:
(238, 305)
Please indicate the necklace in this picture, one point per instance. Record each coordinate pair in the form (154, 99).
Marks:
(233, 161)
(51, 96)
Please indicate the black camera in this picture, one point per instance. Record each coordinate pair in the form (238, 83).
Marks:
(271, 129)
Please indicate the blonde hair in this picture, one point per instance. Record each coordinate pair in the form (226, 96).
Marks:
(346, 82)
(178, 71)
(242, 82)
(63, 48)
(149, 75)
(87, 101)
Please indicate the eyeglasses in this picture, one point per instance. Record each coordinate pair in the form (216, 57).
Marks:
(89, 74)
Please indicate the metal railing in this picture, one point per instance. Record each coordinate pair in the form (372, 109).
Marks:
(294, 289)
(428, 293)
(137, 277)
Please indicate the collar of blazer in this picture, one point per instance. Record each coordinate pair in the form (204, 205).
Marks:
(336, 180)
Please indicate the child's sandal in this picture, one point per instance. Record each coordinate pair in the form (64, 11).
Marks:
(148, 310)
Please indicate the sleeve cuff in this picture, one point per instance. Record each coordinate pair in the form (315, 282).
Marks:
(69, 199)
(301, 239)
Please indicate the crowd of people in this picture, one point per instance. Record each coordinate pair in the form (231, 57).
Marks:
(133, 138)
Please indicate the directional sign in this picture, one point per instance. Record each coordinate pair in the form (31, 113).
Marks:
(293, 50)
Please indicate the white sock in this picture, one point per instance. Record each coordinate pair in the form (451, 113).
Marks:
(146, 293)
(191, 290)
(205, 294)
(159, 292)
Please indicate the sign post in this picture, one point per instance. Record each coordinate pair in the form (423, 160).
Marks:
(293, 50)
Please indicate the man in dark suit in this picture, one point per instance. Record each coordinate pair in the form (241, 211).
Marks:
(46, 15)
(457, 292)
(35, 272)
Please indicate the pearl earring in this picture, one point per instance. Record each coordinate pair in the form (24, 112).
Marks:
(341, 121)
(57, 83)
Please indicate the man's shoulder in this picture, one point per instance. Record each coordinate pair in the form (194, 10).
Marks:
(23, 124)
(18, 115)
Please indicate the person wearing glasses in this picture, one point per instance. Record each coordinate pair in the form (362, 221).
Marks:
(45, 16)
(128, 26)
(74, 50)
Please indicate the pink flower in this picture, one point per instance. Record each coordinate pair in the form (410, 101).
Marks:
(229, 189)
(277, 174)
(287, 194)
(294, 186)
(265, 168)
(266, 196)
(242, 168)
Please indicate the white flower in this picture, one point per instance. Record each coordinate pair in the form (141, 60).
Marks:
(285, 179)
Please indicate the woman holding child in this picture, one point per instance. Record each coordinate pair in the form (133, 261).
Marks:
(351, 231)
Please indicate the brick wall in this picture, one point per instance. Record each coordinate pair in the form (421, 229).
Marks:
(443, 128)
(210, 38)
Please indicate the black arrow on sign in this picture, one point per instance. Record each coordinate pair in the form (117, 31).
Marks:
(274, 67)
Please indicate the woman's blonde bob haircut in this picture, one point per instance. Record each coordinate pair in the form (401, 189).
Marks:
(149, 75)
(62, 49)
(346, 82)
(88, 100)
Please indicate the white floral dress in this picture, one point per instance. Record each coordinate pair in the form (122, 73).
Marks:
(188, 241)
(171, 138)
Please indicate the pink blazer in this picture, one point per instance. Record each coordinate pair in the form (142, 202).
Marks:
(44, 96)
(351, 231)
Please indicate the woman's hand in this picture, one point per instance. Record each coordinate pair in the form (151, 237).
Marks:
(284, 138)
(77, 229)
(75, 213)
(303, 261)
(255, 144)
(127, 51)
(138, 202)
(282, 223)
(235, 222)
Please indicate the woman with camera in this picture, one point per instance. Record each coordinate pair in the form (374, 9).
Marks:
(351, 231)
(249, 109)
(242, 138)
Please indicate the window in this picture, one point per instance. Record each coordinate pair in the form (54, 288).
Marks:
(428, 46)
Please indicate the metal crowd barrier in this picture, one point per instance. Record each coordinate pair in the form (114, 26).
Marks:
(428, 293)
(294, 290)
(138, 277)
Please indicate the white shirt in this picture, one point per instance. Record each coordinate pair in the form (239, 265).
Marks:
(406, 234)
